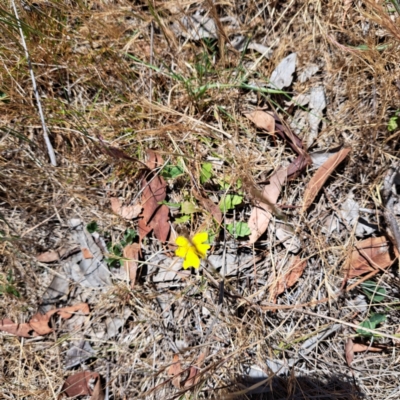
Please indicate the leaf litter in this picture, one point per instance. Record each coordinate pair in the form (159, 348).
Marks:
(176, 102)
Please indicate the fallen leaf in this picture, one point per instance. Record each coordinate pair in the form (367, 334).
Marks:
(320, 177)
(48, 256)
(21, 330)
(175, 370)
(193, 378)
(68, 312)
(349, 350)
(154, 215)
(80, 383)
(282, 75)
(370, 255)
(126, 212)
(132, 252)
(262, 212)
(359, 347)
(209, 205)
(86, 253)
(262, 120)
(39, 323)
(295, 271)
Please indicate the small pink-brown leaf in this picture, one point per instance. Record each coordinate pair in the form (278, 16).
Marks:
(175, 370)
(320, 177)
(262, 212)
(286, 281)
(359, 347)
(22, 330)
(263, 120)
(68, 312)
(86, 253)
(371, 254)
(349, 350)
(126, 212)
(48, 256)
(79, 384)
(193, 378)
(131, 251)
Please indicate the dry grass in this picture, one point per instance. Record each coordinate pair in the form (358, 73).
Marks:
(117, 70)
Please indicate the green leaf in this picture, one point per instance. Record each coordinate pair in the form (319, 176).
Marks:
(239, 229)
(183, 219)
(205, 172)
(371, 323)
(374, 292)
(172, 205)
(393, 125)
(171, 171)
(92, 227)
(229, 202)
(189, 208)
(129, 236)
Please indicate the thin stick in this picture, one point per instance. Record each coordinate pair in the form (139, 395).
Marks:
(50, 149)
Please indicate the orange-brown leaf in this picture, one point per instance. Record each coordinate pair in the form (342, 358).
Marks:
(131, 251)
(48, 256)
(359, 347)
(86, 253)
(295, 271)
(79, 384)
(126, 212)
(175, 370)
(21, 330)
(263, 120)
(320, 177)
(371, 254)
(349, 350)
(262, 212)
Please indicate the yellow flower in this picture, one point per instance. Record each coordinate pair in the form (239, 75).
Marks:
(192, 250)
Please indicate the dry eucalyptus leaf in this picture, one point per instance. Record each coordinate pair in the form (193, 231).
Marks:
(308, 72)
(263, 120)
(131, 251)
(320, 177)
(370, 255)
(317, 105)
(282, 76)
(262, 212)
(126, 212)
(349, 351)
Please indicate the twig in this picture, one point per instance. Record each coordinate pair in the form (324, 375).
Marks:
(50, 149)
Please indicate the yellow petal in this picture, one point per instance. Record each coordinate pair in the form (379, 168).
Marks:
(181, 241)
(202, 249)
(192, 259)
(200, 238)
(181, 252)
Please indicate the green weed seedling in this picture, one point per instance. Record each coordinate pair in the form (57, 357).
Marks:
(230, 201)
(116, 250)
(8, 286)
(393, 123)
(374, 292)
(238, 229)
(371, 323)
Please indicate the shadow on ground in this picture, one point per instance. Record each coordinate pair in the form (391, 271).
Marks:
(297, 388)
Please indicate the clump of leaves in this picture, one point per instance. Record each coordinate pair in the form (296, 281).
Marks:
(230, 201)
(116, 250)
(371, 323)
(7, 285)
(239, 229)
(393, 123)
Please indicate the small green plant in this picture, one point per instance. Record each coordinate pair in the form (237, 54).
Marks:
(371, 323)
(92, 227)
(171, 171)
(205, 172)
(239, 229)
(8, 286)
(394, 121)
(116, 250)
(374, 292)
(230, 201)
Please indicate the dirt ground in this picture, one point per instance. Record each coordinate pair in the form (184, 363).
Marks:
(254, 142)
